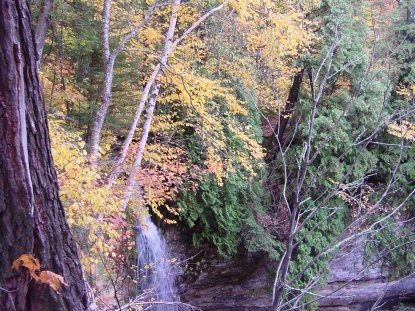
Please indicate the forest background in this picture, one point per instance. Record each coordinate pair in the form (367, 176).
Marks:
(283, 127)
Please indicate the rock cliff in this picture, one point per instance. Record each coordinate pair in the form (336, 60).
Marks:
(244, 283)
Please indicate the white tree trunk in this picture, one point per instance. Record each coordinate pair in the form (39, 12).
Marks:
(109, 61)
(127, 142)
(132, 182)
(99, 119)
(152, 103)
(168, 49)
(41, 28)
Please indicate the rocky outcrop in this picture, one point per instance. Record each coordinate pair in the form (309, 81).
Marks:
(356, 284)
(367, 295)
(211, 282)
(244, 283)
(239, 284)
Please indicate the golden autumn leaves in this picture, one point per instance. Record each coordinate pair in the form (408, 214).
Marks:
(32, 264)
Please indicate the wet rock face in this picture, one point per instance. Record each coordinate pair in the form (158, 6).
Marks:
(349, 264)
(210, 282)
(240, 284)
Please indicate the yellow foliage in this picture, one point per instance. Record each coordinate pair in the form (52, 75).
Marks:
(89, 204)
(403, 129)
(62, 97)
(407, 92)
(359, 203)
(152, 35)
(202, 99)
(274, 34)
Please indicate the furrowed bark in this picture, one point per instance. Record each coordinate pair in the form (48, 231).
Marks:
(32, 219)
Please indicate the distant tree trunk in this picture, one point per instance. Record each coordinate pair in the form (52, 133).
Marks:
(41, 28)
(289, 106)
(285, 115)
(32, 219)
(411, 14)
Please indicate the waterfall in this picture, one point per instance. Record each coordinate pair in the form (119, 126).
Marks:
(156, 278)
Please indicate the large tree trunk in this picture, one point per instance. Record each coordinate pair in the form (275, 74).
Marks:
(32, 219)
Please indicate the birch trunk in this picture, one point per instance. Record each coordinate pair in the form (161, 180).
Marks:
(168, 49)
(127, 142)
(109, 62)
(41, 28)
(132, 182)
(168, 44)
(99, 119)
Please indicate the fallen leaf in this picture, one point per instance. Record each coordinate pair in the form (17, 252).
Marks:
(53, 280)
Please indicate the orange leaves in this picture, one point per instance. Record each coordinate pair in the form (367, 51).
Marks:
(216, 167)
(52, 279)
(32, 264)
(165, 169)
(29, 262)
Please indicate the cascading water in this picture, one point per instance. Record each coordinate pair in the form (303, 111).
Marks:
(155, 274)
